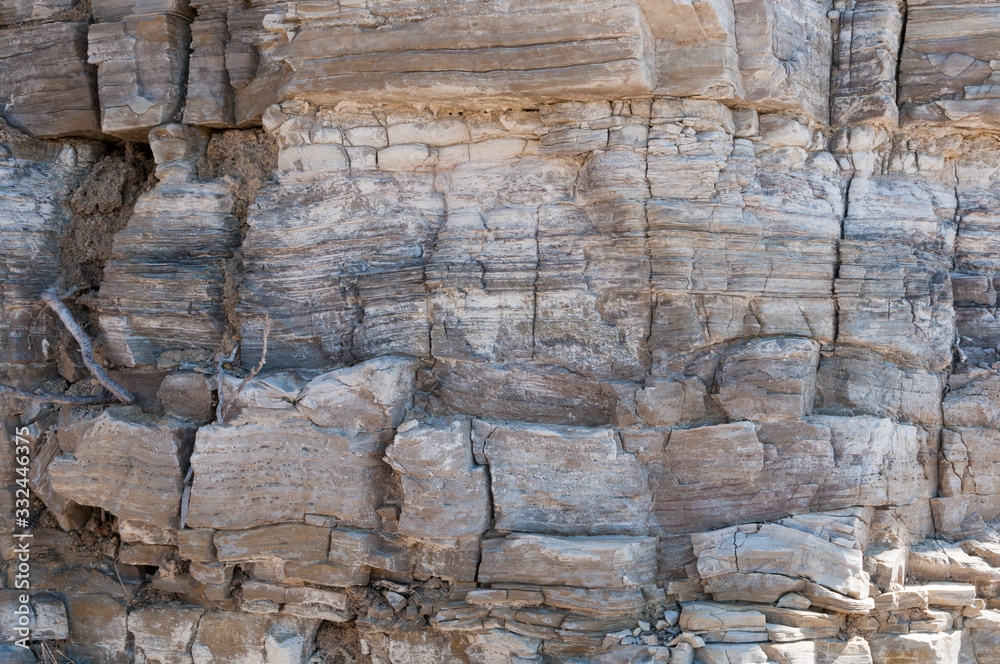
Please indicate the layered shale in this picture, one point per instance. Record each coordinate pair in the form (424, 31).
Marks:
(505, 331)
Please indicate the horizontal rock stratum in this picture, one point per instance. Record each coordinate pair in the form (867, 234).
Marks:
(503, 331)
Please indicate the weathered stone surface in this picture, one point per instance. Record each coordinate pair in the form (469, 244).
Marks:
(97, 628)
(945, 72)
(863, 88)
(941, 648)
(546, 395)
(765, 471)
(186, 395)
(594, 601)
(16, 11)
(32, 215)
(713, 454)
(485, 53)
(370, 299)
(695, 48)
(44, 615)
(696, 617)
(940, 561)
(586, 562)
(445, 492)
(969, 402)
(769, 379)
(141, 59)
(129, 464)
(268, 398)
(165, 634)
(225, 636)
(459, 563)
(286, 541)
(969, 466)
(826, 651)
(571, 481)
(779, 549)
(712, 269)
(236, 471)
(569, 307)
(893, 296)
(770, 34)
(856, 381)
(875, 455)
(370, 396)
(751, 587)
(46, 86)
(664, 402)
(146, 310)
(70, 514)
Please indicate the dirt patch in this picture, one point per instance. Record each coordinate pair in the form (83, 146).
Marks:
(102, 204)
(339, 643)
(247, 158)
(79, 13)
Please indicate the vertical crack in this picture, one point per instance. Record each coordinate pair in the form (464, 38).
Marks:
(903, 16)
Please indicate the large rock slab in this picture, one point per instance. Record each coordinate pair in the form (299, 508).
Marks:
(943, 648)
(46, 86)
(696, 52)
(771, 34)
(945, 72)
(565, 480)
(970, 400)
(529, 393)
(97, 628)
(289, 541)
(970, 467)
(741, 248)
(875, 458)
(769, 379)
(857, 381)
(33, 187)
(445, 494)
(526, 52)
(933, 560)
(128, 464)
(141, 55)
(165, 633)
(894, 293)
(340, 279)
(825, 651)
(248, 476)
(865, 59)
(585, 562)
(726, 452)
(230, 636)
(786, 551)
(17, 11)
(368, 397)
(732, 473)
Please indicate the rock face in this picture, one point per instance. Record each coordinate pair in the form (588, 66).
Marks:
(144, 484)
(496, 332)
(181, 221)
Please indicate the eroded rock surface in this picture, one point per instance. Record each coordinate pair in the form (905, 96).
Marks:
(496, 332)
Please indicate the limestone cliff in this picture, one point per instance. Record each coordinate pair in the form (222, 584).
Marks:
(504, 331)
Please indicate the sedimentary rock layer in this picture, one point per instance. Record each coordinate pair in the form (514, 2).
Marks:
(504, 332)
